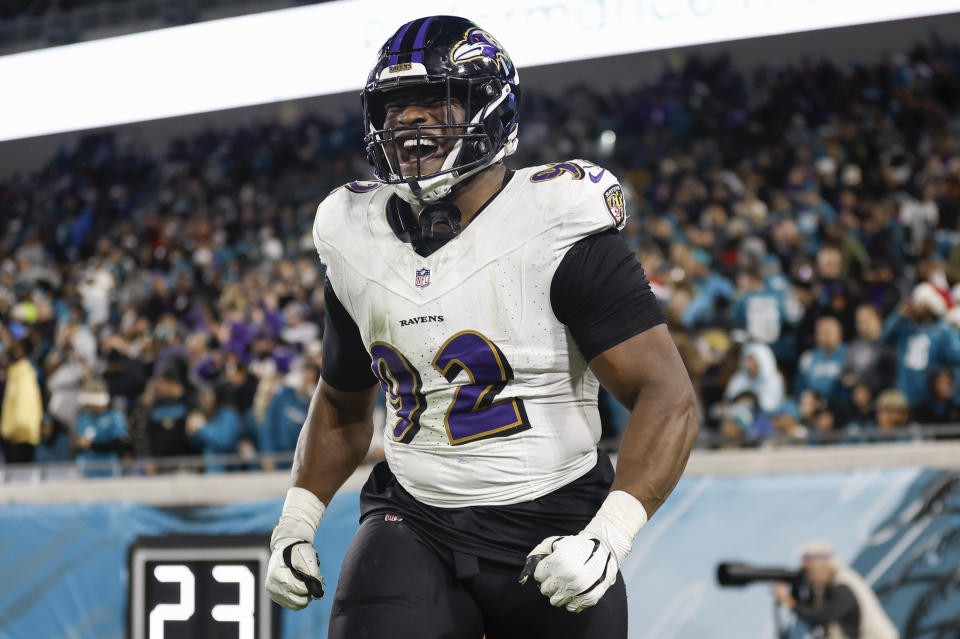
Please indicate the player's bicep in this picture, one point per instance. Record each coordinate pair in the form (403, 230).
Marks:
(647, 362)
(350, 406)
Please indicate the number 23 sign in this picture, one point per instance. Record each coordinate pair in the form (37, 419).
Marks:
(199, 586)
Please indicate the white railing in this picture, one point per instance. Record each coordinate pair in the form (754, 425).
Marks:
(185, 487)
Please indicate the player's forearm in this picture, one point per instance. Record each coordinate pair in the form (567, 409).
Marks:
(654, 451)
(657, 443)
(332, 444)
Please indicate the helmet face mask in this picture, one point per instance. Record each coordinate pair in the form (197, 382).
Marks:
(457, 68)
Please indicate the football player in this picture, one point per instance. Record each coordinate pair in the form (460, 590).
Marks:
(486, 303)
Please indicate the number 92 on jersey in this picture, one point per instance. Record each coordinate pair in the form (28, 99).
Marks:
(200, 586)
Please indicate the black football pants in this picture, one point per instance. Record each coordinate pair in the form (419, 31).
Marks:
(396, 585)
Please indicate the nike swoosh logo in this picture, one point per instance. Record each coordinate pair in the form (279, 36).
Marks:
(596, 178)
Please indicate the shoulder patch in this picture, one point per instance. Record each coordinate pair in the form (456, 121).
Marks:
(362, 186)
(616, 205)
(575, 171)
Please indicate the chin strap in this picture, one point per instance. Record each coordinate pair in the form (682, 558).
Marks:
(414, 187)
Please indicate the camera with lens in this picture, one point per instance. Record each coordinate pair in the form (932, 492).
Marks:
(740, 574)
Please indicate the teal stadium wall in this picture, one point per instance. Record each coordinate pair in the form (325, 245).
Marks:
(63, 569)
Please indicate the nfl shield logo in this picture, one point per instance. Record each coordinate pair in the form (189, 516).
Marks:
(423, 277)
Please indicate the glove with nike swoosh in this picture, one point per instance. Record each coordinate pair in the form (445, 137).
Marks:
(293, 577)
(575, 571)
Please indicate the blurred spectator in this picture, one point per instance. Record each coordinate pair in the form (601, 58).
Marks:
(823, 425)
(830, 266)
(760, 425)
(122, 373)
(55, 444)
(944, 405)
(299, 330)
(786, 422)
(241, 384)
(66, 374)
(287, 414)
(952, 265)
(760, 311)
(735, 426)
(881, 238)
(920, 217)
(820, 368)
(101, 431)
(216, 428)
(94, 289)
(712, 292)
(923, 341)
(862, 415)
(852, 255)
(881, 290)
(893, 411)
(757, 374)
(869, 361)
(22, 408)
(689, 344)
(166, 402)
(818, 417)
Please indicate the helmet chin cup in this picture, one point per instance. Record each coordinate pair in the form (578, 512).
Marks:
(427, 191)
(436, 188)
(431, 189)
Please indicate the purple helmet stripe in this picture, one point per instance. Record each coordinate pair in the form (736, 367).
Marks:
(395, 45)
(418, 43)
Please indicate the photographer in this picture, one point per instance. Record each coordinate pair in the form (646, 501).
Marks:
(834, 600)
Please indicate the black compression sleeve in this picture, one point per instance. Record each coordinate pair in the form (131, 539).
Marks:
(602, 294)
(346, 362)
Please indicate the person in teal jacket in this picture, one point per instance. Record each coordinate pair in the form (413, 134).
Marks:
(216, 429)
(709, 288)
(924, 342)
(101, 431)
(285, 416)
(762, 313)
(821, 367)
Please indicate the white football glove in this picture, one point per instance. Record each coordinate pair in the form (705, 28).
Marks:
(293, 578)
(575, 571)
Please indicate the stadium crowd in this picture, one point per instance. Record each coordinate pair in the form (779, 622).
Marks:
(800, 225)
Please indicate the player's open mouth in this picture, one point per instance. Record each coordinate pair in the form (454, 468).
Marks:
(409, 149)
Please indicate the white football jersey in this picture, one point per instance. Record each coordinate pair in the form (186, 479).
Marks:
(489, 400)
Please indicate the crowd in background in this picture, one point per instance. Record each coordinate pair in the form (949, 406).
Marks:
(800, 225)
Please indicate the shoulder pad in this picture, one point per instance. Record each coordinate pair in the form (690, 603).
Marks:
(358, 186)
(362, 186)
(339, 214)
(587, 196)
(573, 169)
